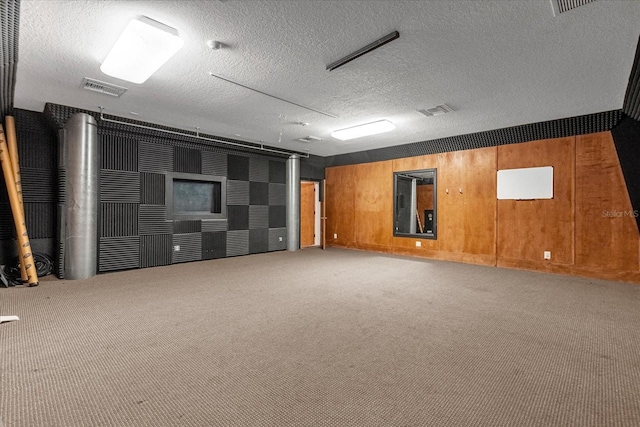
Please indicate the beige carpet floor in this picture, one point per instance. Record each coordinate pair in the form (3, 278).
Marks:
(321, 338)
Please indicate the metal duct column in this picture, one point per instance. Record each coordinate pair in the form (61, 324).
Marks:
(293, 203)
(79, 224)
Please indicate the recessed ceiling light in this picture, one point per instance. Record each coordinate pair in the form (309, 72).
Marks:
(142, 48)
(367, 129)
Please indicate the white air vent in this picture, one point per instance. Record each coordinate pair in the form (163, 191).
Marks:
(102, 87)
(309, 139)
(436, 111)
(561, 6)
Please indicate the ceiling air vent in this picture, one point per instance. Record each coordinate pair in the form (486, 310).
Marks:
(309, 139)
(436, 111)
(102, 87)
(561, 6)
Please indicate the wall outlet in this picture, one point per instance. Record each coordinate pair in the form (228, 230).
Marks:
(176, 248)
(547, 254)
(335, 235)
(418, 244)
(280, 239)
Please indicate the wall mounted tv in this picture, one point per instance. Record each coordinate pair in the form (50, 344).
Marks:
(192, 196)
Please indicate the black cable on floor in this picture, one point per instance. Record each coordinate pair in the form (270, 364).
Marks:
(43, 264)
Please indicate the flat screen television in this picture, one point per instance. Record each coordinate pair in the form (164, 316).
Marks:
(195, 196)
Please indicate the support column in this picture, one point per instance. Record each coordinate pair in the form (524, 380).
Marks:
(79, 228)
(293, 203)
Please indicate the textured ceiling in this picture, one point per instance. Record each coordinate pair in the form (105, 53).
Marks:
(497, 63)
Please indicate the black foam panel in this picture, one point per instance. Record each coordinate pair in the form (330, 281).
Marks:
(238, 168)
(258, 241)
(214, 244)
(258, 193)
(626, 136)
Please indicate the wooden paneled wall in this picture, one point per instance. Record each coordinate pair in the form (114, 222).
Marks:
(589, 226)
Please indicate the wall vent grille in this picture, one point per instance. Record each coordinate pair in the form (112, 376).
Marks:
(561, 6)
(102, 87)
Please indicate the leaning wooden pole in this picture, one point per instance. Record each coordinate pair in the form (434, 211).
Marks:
(12, 142)
(18, 218)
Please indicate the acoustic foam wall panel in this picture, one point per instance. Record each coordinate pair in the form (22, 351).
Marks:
(153, 220)
(237, 242)
(258, 169)
(214, 244)
(40, 220)
(277, 172)
(187, 160)
(214, 225)
(237, 167)
(152, 188)
(119, 253)
(237, 192)
(156, 250)
(238, 217)
(10, 21)
(39, 185)
(154, 158)
(631, 105)
(7, 225)
(190, 247)
(258, 217)
(119, 186)
(277, 216)
(118, 219)
(214, 163)
(277, 194)
(191, 226)
(118, 153)
(277, 239)
(258, 193)
(258, 241)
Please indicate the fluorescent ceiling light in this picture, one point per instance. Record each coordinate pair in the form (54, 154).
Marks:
(372, 128)
(143, 47)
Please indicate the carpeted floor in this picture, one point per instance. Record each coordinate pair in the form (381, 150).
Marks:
(321, 338)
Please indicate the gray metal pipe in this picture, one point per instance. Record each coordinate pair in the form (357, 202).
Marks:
(293, 203)
(80, 223)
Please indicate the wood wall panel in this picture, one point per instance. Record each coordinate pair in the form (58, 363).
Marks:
(606, 229)
(467, 204)
(340, 208)
(373, 212)
(527, 228)
(474, 227)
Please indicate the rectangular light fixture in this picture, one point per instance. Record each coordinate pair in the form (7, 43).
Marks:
(142, 48)
(373, 128)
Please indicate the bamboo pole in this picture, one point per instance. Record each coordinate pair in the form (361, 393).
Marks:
(12, 142)
(18, 218)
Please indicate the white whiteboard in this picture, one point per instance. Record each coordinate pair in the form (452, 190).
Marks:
(525, 183)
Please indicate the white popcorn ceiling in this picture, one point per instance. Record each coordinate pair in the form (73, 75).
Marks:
(497, 63)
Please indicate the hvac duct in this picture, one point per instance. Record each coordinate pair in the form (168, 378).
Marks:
(79, 162)
(293, 203)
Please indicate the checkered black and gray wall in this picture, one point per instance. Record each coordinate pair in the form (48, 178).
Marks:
(134, 229)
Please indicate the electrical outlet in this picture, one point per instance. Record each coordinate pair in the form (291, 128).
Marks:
(335, 235)
(280, 239)
(418, 244)
(176, 248)
(547, 254)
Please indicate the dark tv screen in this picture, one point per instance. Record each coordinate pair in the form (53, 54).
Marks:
(191, 197)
